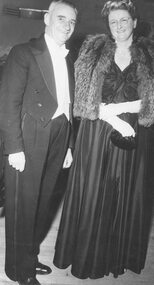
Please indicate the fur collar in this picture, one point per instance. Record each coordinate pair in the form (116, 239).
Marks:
(94, 61)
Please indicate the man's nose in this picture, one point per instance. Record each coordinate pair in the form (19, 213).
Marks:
(67, 26)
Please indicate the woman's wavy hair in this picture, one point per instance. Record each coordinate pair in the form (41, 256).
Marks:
(127, 5)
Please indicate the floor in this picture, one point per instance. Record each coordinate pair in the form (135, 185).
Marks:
(64, 277)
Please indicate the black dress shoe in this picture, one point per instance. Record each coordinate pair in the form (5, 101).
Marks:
(42, 269)
(29, 281)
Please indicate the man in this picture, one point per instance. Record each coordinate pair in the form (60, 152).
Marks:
(36, 100)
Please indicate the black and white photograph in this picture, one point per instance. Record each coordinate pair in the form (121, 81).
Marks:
(76, 142)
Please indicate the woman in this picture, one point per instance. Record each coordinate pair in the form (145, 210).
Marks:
(106, 216)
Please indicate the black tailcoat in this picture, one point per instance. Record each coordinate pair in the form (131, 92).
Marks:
(28, 101)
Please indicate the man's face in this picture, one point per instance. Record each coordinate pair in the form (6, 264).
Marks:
(60, 23)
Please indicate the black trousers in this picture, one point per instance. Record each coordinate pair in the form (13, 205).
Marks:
(29, 211)
(49, 192)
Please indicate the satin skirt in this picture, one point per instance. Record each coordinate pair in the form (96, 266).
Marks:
(107, 209)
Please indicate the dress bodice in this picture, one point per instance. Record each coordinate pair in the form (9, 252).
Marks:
(120, 86)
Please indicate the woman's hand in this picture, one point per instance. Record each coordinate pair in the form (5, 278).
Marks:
(124, 128)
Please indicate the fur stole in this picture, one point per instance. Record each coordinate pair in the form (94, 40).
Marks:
(94, 61)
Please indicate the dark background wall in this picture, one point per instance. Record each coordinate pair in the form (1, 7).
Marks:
(15, 29)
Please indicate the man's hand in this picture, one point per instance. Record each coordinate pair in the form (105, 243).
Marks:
(68, 159)
(17, 160)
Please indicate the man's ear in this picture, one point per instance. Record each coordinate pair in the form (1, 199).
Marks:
(46, 19)
(135, 23)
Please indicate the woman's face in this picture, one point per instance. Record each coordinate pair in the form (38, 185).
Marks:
(121, 25)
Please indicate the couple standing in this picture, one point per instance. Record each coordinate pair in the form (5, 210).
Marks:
(107, 209)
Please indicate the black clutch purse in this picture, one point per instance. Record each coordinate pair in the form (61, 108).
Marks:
(127, 143)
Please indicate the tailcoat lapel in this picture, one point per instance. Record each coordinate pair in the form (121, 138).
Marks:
(43, 59)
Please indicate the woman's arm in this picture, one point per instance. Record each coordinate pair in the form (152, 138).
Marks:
(124, 128)
(114, 109)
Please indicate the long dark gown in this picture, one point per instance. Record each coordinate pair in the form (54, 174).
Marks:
(105, 220)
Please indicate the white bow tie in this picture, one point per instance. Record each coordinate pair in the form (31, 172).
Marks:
(63, 51)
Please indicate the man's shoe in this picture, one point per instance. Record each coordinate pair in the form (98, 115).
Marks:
(42, 269)
(29, 281)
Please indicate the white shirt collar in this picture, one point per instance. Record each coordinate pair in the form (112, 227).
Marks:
(52, 45)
